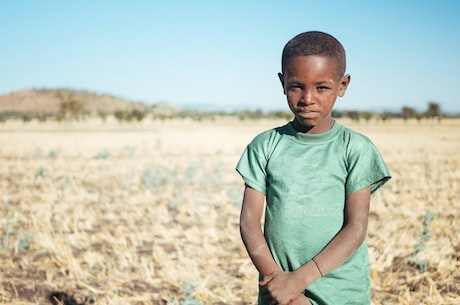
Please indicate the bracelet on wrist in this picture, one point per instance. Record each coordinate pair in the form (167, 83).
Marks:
(317, 267)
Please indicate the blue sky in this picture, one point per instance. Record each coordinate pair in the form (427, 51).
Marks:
(226, 54)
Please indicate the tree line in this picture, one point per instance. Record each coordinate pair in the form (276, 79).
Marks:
(71, 109)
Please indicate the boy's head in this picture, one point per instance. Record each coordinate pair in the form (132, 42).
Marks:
(313, 66)
(315, 43)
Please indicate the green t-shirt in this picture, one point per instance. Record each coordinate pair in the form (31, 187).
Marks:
(306, 179)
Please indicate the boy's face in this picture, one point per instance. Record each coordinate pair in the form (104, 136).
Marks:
(311, 85)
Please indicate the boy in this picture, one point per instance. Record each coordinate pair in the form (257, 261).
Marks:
(316, 177)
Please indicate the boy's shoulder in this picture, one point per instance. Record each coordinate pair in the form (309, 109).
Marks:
(271, 135)
(350, 135)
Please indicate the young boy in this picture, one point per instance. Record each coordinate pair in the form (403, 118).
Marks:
(316, 177)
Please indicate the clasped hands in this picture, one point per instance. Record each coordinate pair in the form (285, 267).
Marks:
(283, 288)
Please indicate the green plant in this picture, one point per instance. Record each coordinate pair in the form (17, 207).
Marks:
(53, 154)
(425, 235)
(189, 291)
(12, 231)
(41, 172)
(102, 155)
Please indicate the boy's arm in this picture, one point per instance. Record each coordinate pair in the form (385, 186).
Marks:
(251, 232)
(255, 243)
(285, 286)
(345, 243)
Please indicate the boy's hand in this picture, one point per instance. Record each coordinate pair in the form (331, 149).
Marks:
(281, 288)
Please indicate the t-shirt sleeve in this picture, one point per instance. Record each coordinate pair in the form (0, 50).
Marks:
(252, 168)
(365, 168)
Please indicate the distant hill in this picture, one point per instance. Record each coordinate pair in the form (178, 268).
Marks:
(49, 101)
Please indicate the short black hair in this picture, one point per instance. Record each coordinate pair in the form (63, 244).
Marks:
(315, 43)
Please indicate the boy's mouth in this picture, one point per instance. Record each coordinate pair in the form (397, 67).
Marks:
(306, 113)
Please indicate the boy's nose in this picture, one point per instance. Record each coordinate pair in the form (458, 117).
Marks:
(307, 97)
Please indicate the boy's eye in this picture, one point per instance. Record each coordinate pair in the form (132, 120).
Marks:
(295, 87)
(323, 88)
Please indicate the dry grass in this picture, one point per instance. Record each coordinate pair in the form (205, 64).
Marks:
(148, 214)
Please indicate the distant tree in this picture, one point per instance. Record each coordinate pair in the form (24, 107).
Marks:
(41, 117)
(102, 115)
(119, 115)
(408, 113)
(286, 115)
(367, 115)
(129, 115)
(434, 111)
(137, 114)
(257, 114)
(354, 115)
(386, 116)
(26, 117)
(250, 114)
(160, 116)
(70, 107)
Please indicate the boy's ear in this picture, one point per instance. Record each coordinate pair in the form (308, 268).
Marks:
(344, 82)
(281, 77)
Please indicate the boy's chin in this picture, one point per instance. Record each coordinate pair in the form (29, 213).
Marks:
(302, 125)
(312, 125)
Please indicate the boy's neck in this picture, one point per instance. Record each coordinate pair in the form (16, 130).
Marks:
(311, 129)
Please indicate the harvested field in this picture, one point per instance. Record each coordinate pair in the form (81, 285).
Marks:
(148, 213)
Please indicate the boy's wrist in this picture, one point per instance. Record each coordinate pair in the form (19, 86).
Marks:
(271, 273)
(308, 273)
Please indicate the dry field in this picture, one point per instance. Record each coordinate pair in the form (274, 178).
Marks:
(148, 213)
